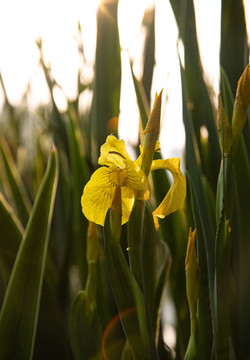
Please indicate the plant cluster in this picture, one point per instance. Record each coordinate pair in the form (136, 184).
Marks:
(86, 251)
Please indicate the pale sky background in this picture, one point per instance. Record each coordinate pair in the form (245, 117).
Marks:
(23, 21)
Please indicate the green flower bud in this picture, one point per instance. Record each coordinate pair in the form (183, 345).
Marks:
(151, 133)
(224, 128)
(240, 109)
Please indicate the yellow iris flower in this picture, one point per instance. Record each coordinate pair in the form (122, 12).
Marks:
(119, 170)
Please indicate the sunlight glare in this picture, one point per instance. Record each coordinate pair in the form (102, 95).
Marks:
(167, 76)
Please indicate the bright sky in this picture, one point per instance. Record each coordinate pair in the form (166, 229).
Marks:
(23, 21)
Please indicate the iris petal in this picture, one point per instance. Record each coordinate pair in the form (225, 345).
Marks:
(136, 179)
(177, 192)
(96, 201)
(98, 193)
(113, 152)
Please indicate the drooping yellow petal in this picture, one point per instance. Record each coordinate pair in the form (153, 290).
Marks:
(113, 152)
(177, 192)
(96, 201)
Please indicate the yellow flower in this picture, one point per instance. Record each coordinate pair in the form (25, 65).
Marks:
(120, 171)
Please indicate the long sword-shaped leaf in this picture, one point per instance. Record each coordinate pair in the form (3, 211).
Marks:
(10, 239)
(128, 296)
(199, 104)
(148, 270)
(80, 176)
(18, 318)
(18, 192)
(205, 295)
(149, 51)
(107, 71)
(241, 169)
(233, 40)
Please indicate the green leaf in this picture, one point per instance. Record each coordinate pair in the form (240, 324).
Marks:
(222, 288)
(148, 257)
(19, 195)
(233, 40)
(134, 239)
(226, 93)
(164, 263)
(148, 271)
(128, 296)
(80, 176)
(107, 72)
(205, 311)
(197, 96)
(142, 258)
(241, 249)
(85, 329)
(19, 313)
(11, 236)
(149, 51)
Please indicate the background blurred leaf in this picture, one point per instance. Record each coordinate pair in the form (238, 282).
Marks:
(149, 51)
(233, 40)
(240, 235)
(18, 318)
(205, 308)
(85, 329)
(79, 178)
(201, 111)
(107, 74)
(17, 189)
(11, 236)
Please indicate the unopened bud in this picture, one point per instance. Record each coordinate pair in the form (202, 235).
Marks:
(151, 133)
(240, 109)
(224, 128)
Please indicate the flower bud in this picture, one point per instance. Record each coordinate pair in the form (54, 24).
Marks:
(240, 109)
(224, 128)
(151, 133)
